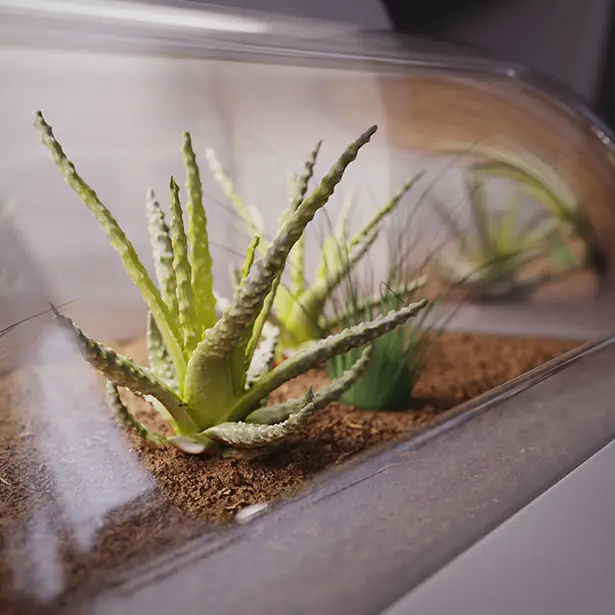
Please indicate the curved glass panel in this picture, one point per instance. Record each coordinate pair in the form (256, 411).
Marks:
(119, 82)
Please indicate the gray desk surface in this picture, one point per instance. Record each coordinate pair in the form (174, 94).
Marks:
(554, 557)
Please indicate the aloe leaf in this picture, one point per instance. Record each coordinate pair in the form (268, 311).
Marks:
(262, 319)
(335, 247)
(283, 302)
(322, 350)
(159, 360)
(276, 413)
(263, 356)
(313, 301)
(183, 273)
(162, 250)
(202, 279)
(357, 252)
(238, 435)
(296, 264)
(303, 181)
(250, 296)
(209, 386)
(121, 371)
(132, 264)
(296, 259)
(228, 188)
(127, 418)
(270, 415)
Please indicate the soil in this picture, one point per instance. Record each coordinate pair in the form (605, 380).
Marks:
(193, 492)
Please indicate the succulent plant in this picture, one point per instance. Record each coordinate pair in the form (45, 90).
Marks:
(298, 307)
(210, 374)
(493, 260)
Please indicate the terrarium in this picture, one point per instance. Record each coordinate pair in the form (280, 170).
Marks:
(254, 274)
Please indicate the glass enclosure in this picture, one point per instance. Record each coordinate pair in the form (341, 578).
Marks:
(120, 81)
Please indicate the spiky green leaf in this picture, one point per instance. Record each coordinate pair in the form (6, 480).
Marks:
(159, 360)
(202, 279)
(183, 274)
(270, 415)
(162, 250)
(319, 352)
(123, 372)
(132, 264)
(128, 419)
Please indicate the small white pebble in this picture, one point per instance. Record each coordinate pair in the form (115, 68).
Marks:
(187, 445)
(250, 511)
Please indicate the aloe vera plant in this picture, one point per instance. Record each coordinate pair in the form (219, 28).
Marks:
(491, 261)
(298, 307)
(211, 373)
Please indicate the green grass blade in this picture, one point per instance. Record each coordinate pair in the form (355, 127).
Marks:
(316, 354)
(202, 279)
(251, 255)
(350, 313)
(394, 201)
(132, 264)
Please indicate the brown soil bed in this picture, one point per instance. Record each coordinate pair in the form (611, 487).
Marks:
(192, 490)
(461, 367)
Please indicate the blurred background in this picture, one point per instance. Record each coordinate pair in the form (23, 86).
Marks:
(567, 39)
(120, 79)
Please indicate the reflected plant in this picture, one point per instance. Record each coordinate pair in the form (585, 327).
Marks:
(494, 259)
(210, 374)
(298, 307)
